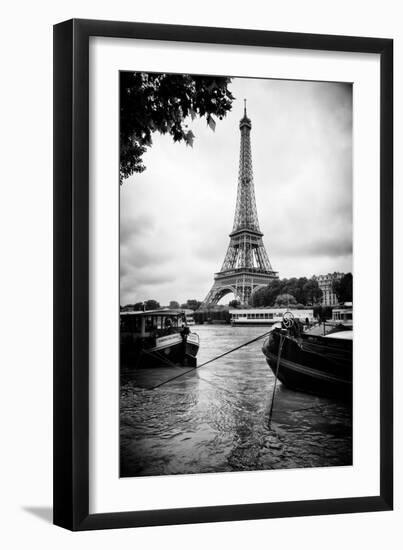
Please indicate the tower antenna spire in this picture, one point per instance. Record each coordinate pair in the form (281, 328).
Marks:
(244, 106)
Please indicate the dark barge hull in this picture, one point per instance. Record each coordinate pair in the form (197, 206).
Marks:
(312, 364)
(180, 353)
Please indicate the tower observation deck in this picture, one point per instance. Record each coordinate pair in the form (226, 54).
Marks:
(246, 266)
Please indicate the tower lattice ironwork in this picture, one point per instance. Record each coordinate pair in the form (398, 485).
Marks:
(246, 265)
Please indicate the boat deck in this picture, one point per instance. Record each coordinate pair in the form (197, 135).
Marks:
(320, 330)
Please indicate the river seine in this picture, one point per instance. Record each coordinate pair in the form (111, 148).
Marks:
(215, 419)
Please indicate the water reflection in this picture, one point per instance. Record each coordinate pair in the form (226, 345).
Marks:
(216, 419)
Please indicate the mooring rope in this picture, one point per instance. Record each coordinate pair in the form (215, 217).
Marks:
(211, 360)
(232, 394)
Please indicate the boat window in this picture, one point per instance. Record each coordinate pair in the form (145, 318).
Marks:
(149, 323)
(130, 323)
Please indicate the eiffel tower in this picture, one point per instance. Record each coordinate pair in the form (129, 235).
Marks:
(246, 266)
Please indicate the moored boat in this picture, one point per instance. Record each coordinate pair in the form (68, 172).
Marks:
(190, 321)
(156, 338)
(342, 316)
(312, 363)
(267, 316)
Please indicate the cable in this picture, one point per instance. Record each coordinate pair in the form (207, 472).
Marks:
(211, 360)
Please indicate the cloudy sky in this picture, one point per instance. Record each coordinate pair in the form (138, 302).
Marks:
(177, 214)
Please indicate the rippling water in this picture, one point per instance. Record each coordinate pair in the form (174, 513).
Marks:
(215, 419)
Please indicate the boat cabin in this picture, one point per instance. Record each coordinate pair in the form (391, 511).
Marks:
(189, 316)
(343, 315)
(268, 316)
(153, 323)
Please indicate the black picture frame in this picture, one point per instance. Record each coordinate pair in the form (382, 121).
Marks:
(71, 274)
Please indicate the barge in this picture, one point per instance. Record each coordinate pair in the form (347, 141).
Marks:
(156, 338)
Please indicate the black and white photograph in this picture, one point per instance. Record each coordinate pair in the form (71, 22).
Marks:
(236, 274)
(206, 213)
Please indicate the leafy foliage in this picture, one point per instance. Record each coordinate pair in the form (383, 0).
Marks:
(138, 306)
(191, 304)
(267, 296)
(154, 102)
(311, 292)
(343, 288)
(284, 300)
(302, 291)
(151, 304)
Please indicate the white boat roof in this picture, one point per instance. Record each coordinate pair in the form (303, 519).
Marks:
(154, 312)
(301, 311)
(342, 335)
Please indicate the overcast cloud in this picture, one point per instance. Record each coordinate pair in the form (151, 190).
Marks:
(176, 216)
